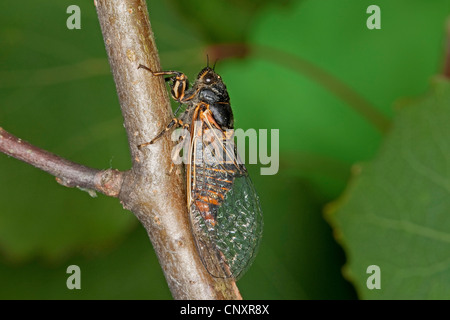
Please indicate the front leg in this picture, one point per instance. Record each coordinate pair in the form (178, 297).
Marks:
(175, 122)
(178, 82)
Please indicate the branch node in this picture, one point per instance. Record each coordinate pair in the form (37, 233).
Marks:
(109, 182)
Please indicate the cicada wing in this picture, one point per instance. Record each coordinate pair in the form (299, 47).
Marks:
(225, 212)
(205, 190)
(206, 243)
(239, 225)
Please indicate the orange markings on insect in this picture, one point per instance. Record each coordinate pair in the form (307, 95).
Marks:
(209, 200)
(224, 209)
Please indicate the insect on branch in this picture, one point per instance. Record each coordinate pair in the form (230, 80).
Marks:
(155, 197)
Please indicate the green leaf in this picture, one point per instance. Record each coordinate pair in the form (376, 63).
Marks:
(395, 212)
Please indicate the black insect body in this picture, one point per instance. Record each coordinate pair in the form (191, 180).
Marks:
(225, 213)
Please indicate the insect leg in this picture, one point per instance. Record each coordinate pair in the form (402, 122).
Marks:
(178, 109)
(174, 121)
(161, 73)
(178, 82)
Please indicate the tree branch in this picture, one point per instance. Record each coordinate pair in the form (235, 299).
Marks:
(67, 173)
(157, 198)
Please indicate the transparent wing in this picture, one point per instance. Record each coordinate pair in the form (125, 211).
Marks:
(239, 226)
(225, 211)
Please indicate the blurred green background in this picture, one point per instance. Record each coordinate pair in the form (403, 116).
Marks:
(303, 65)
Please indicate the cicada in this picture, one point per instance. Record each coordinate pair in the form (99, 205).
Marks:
(224, 208)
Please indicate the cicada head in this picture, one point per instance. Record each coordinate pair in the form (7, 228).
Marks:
(213, 92)
(208, 76)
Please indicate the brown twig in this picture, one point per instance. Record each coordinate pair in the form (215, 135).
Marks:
(67, 173)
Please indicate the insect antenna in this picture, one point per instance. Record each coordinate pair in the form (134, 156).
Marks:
(207, 62)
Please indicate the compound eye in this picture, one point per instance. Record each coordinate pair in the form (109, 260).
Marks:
(209, 78)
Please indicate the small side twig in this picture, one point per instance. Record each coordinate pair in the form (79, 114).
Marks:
(67, 173)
